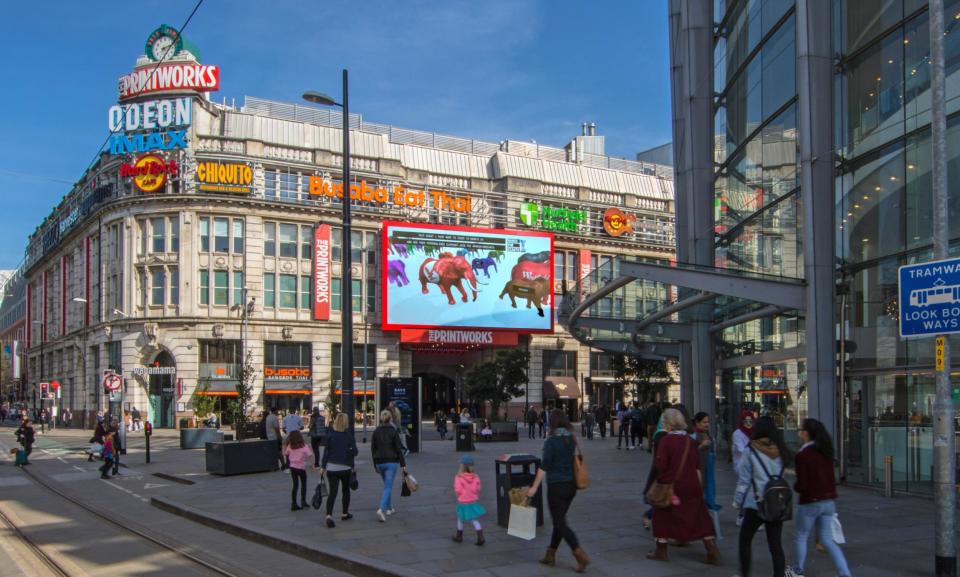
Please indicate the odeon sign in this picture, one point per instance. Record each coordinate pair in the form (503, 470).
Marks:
(152, 117)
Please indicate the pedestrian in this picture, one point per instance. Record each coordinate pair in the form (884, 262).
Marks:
(272, 430)
(742, 437)
(588, 421)
(531, 418)
(636, 426)
(117, 444)
(297, 453)
(542, 422)
(466, 484)
(623, 423)
(67, 418)
(292, 422)
(705, 446)
(318, 429)
(387, 456)
(109, 453)
(603, 415)
(135, 415)
(651, 419)
(99, 432)
(817, 496)
(26, 436)
(42, 415)
(686, 518)
(441, 422)
(397, 420)
(766, 455)
(557, 467)
(337, 465)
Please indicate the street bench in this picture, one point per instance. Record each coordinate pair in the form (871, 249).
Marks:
(502, 431)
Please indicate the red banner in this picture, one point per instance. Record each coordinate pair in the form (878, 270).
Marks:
(321, 273)
(584, 273)
(459, 337)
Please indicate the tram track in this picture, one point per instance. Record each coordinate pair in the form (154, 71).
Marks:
(58, 569)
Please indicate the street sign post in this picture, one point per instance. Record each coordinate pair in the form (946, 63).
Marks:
(930, 298)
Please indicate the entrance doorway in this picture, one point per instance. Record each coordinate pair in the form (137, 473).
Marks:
(162, 390)
(439, 393)
(443, 378)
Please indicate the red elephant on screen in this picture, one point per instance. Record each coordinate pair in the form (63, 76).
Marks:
(448, 271)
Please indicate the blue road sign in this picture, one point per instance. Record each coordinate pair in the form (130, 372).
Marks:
(930, 298)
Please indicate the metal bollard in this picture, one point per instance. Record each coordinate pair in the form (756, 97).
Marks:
(888, 476)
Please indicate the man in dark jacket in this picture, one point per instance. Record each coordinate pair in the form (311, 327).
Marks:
(603, 416)
(118, 439)
(651, 416)
(26, 436)
(531, 419)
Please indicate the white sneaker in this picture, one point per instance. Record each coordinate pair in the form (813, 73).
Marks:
(380, 516)
(390, 511)
(791, 572)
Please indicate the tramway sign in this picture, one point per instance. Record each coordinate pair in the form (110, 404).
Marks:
(930, 298)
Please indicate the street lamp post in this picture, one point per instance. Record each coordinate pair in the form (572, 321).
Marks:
(42, 341)
(83, 359)
(346, 296)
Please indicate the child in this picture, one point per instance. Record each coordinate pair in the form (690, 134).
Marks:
(107, 454)
(467, 486)
(297, 452)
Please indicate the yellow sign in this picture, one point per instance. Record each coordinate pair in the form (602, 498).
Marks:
(941, 344)
(225, 177)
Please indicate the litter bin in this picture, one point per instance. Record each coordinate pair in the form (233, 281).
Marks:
(464, 437)
(516, 470)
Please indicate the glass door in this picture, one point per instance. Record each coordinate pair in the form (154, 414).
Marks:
(921, 391)
(887, 428)
(857, 447)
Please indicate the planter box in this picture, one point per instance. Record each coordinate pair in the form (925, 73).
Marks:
(198, 438)
(238, 457)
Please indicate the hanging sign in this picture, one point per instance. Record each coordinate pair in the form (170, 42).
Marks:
(321, 273)
(233, 177)
(149, 172)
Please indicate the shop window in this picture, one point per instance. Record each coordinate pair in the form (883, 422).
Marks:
(221, 235)
(142, 233)
(174, 286)
(356, 295)
(175, 233)
(287, 355)
(356, 246)
(306, 242)
(559, 363)
(269, 239)
(158, 235)
(220, 359)
(158, 287)
(204, 287)
(335, 292)
(371, 296)
(220, 287)
(269, 290)
(558, 265)
(270, 183)
(372, 248)
(288, 291)
(288, 240)
(204, 234)
(336, 244)
(365, 365)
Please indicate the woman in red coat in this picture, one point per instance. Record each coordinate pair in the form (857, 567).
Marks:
(678, 462)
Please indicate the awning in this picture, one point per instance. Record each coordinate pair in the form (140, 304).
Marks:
(561, 388)
(359, 391)
(220, 388)
(278, 387)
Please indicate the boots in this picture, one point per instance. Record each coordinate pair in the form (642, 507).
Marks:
(660, 553)
(713, 553)
(582, 560)
(480, 539)
(458, 538)
(550, 557)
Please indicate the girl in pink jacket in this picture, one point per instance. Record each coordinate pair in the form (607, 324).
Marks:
(467, 486)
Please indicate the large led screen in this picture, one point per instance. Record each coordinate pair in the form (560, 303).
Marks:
(448, 276)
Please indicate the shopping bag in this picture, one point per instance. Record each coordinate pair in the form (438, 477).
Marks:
(518, 496)
(405, 490)
(838, 536)
(411, 483)
(96, 449)
(354, 483)
(318, 494)
(523, 522)
(21, 458)
(715, 517)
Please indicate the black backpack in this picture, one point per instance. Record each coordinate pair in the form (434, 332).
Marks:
(262, 428)
(775, 503)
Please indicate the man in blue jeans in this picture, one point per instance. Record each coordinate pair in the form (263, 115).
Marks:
(387, 457)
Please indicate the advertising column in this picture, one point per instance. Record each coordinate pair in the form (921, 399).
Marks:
(405, 393)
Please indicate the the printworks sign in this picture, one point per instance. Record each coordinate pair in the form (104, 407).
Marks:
(930, 298)
(553, 218)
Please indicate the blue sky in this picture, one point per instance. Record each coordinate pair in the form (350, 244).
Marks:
(485, 69)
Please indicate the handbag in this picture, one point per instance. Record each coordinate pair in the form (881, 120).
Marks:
(318, 494)
(405, 490)
(354, 483)
(411, 483)
(581, 476)
(660, 494)
(523, 522)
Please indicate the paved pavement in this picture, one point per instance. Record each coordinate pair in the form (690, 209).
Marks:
(887, 537)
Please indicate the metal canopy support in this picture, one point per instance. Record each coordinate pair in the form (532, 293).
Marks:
(791, 295)
(628, 348)
(739, 320)
(673, 331)
(815, 82)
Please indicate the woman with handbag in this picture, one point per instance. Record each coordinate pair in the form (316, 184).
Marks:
(817, 493)
(387, 456)
(559, 452)
(677, 493)
(338, 466)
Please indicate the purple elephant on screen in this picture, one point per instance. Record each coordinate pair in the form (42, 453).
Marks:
(484, 264)
(397, 272)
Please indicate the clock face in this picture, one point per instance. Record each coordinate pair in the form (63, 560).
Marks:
(163, 48)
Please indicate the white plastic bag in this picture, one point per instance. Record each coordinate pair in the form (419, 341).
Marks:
(523, 522)
(838, 536)
(96, 449)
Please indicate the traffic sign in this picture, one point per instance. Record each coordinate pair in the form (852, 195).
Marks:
(930, 298)
(112, 382)
(941, 342)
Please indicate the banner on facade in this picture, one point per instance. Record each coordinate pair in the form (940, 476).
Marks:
(321, 273)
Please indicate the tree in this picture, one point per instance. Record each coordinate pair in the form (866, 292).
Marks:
(238, 406)
(499, 380)
(647, 377)
(200, 401)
